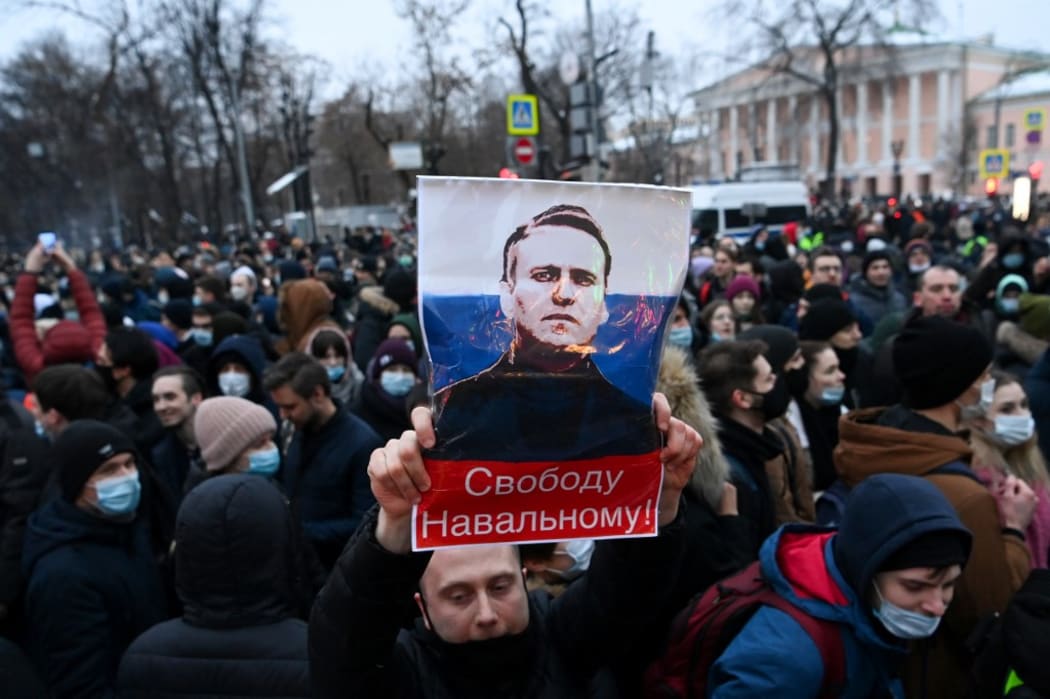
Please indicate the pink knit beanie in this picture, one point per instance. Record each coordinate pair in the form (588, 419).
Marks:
(225, 426)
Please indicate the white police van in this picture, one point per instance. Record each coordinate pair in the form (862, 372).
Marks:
(732, 208)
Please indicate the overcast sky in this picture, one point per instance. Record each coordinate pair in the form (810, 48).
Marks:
(354, 35)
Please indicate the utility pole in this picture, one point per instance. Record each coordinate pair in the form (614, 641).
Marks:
(592, 70)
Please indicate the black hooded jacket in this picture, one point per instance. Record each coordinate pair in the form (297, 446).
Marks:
(235, 577)
(93, 587)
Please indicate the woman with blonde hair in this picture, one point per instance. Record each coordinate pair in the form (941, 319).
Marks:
(1004, 444)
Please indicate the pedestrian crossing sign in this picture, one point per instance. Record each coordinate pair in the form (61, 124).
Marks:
(522, 115)
(994, 162)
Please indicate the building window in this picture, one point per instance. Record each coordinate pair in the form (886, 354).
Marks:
(1009, 135)
(993, 137)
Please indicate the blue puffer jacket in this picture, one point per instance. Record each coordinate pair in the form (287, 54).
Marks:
(93, 587)
(820, 572)
(325, 473)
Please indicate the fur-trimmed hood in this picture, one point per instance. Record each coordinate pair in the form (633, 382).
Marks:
(679, 382)
(374, 296)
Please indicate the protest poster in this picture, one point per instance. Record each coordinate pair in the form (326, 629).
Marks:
(544, 308)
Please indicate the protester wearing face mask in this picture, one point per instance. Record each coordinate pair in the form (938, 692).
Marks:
(742, 387)
(93, 583)
(381, 402)
(942, 367)
(817, 408)
(236, 436)
(832, 321)
(1005, 445)
(883, 581)
(235, 369)
(1011, 254)
(332, 348)
(918, 255)
(553, 566)
(1008, 296)
(682, 333)
(718, 322)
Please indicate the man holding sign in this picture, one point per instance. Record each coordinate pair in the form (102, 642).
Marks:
(480, 632)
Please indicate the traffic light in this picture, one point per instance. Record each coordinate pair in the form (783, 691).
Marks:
(1035, 170)
(991, 186)
(891, 202)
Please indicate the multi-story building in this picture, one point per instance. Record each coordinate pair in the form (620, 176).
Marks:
(926, 108)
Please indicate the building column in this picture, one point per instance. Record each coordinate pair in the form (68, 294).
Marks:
(814, 133)
(794, 136)
(914, 114)
(861, 123)
(714, 144)
(772, 155)
(943, 109)
(887, 121)
(734, 144)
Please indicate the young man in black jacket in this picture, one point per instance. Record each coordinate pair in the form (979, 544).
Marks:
(481, 633)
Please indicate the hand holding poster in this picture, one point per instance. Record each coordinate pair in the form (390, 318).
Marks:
(544, 311)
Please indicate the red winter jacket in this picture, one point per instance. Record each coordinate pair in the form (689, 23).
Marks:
(67, 341)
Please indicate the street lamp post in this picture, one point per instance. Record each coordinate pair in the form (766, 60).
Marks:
(897, 148)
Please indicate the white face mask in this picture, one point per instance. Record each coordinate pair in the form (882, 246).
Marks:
(239, 293)
(1012, 430)
(234, 383)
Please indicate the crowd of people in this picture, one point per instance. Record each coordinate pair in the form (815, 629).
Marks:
(209, 456)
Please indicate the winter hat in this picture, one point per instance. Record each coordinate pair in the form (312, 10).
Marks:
(1010, 280)
(180, 313)
(937, 549)
(824, 319)
(399, 285)
(818, 292)
(393, 351)
(1035, 315)
(873, 256)
(743, 282)
(160, 333)
(884, 515)
(326, 264)
(782, 343)
(289, 270)
(67, 343)
(936, 360)
(225, 426)
(81, 449)
(226, 324)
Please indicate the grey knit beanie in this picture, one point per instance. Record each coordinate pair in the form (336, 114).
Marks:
(225, 426)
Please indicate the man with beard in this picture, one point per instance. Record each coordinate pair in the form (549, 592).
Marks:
(745, 396)
(325, 465)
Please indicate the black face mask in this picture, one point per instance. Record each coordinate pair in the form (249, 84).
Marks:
(774, 403)
(106, 374)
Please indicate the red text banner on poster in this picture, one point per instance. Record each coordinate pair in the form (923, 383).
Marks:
(489, 502)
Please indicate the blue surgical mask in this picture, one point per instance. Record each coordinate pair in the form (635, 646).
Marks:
(397, 383)
(264, 463)
(1010, 305)
(760, 245)
(1014, 429)
(202, 337)
(580, 552)
(715, 337)
(234, 383)
(832, 396)
(197, 300)
(902, 623)
(119, 495)
(682, 337)
(335, 373)
(1013, 260)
